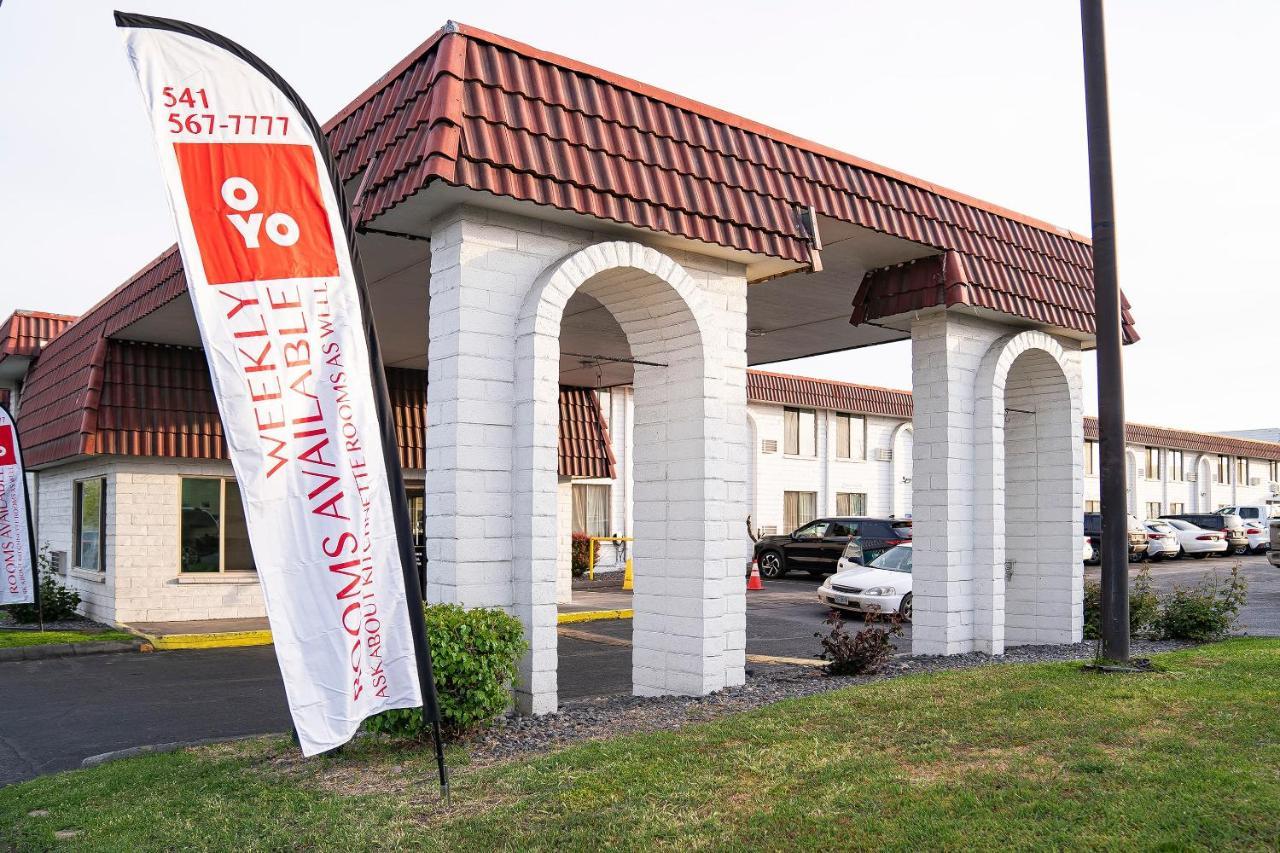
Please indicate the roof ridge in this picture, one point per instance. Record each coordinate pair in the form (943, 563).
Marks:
(1214, 435)
(835, 382)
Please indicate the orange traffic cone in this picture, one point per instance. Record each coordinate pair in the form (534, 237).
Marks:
(754, 581)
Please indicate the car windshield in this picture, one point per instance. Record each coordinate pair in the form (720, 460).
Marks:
(897, 559)
(1180, 524)
(1159, 527)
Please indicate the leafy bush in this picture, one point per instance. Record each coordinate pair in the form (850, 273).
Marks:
(1204, 612)
(1144, 607)
(581, 554)
(56, 601)
(474, 654)
(864, 652)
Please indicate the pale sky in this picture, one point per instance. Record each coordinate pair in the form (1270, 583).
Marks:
(983, 96)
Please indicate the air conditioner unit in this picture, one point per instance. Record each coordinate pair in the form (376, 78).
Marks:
(1255, 481)
(884, 454)
(58, 561)
(1191, 476)
(769, 530)
(1275, 488)
(1142, 472)
(769, 445)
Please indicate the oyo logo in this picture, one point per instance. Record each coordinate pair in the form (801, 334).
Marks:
(257, 210)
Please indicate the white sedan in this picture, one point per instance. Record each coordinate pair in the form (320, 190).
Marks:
(1197, 541)
(1162, 540)
(882, 587)
(1259, 534)
(1087, 551)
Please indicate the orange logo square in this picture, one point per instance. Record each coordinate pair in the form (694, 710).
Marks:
(257, 210)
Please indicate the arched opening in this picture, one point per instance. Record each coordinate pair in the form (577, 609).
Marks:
(901, 470)
(688, 631)
(1204, 481)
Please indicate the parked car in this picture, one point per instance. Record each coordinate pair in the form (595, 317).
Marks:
(816, 547)
(1087, 552)
(1137, 536)
(1273, 556)
(1231, 525)
(1259, 534)
(1252, 512)
(882, 586)
(1197, 541)
(1162, 540)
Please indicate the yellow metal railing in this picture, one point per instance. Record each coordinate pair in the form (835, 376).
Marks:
(591, 558)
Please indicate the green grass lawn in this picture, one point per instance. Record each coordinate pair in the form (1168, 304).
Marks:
(11, 639)
(1041, 756)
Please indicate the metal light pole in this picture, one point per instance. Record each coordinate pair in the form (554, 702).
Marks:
(1115, 523)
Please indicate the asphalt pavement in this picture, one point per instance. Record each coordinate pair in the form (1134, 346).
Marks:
(56, 713)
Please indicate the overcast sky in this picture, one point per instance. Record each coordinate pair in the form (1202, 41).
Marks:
(981, 96)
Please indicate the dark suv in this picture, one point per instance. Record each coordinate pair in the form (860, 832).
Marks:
(1232, 526)
(816, 547)
(1137, 536)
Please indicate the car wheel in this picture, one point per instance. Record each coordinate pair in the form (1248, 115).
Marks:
(1155, 558)
(904, 608)
(1201, 555)
(772, 564)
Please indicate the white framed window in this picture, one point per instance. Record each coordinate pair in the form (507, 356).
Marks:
(605, 398)
(1224, 469)
(1153, 463)
(1177, 471)
(1093, 506)
(1153, 509)
(1242, 471)
(591, 508)
(1090, 458)
(90, 524)
(1176, 508)
(798, 508)
(214, 536)
(799, 432)
(851, 436)
(1275, 472)
(851, 503)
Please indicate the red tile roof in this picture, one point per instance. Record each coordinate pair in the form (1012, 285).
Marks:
(157, 400)
(25, 333)
(764, 387)
(473, 109)
(1197, 442)
(807, 392)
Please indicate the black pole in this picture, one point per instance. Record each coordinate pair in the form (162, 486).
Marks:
(378, 374)
(1115, 521)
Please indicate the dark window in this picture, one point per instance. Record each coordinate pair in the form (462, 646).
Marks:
(215, 535)
(90, 522)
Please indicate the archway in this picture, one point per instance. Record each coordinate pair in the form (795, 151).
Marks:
(901, 468)
(1204, 482)
(688, 468)
(1028, 579)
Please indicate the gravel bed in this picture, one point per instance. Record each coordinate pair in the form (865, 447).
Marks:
(608, 716)
(80, 624)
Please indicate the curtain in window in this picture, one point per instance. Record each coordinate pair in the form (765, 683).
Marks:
(790, 431)
(591, 509)
(798, 508)
(851, 503)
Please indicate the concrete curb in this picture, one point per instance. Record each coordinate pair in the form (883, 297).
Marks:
(159, 748)
(222, 640)
(66, 650)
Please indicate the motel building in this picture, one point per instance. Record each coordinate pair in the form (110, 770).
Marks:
(571, 273)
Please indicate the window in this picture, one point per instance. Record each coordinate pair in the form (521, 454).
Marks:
(798, 508)
(90, 521)
(1093, 506)
(215, 536)
(1153, 463)
(1224, 469)
(1153, 509)
(591, 509)
(816, 530)
(851, 503)
(1177, 508)
(1090, 458)
(1242, 471)
(800, 428)
(851, 436)
(1275, 472)
(1176, 469)
(605, 396)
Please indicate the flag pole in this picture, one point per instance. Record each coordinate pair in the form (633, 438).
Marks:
(382, 399)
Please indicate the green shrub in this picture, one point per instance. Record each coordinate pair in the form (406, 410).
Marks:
(57, 602)
(1144, 607)
(474, 654)
(1204, 612)
(581, 554)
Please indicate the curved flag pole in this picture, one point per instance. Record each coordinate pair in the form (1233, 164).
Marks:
(382, 400)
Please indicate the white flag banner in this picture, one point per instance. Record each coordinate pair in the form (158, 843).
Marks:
(263, 242)
(17, 550)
